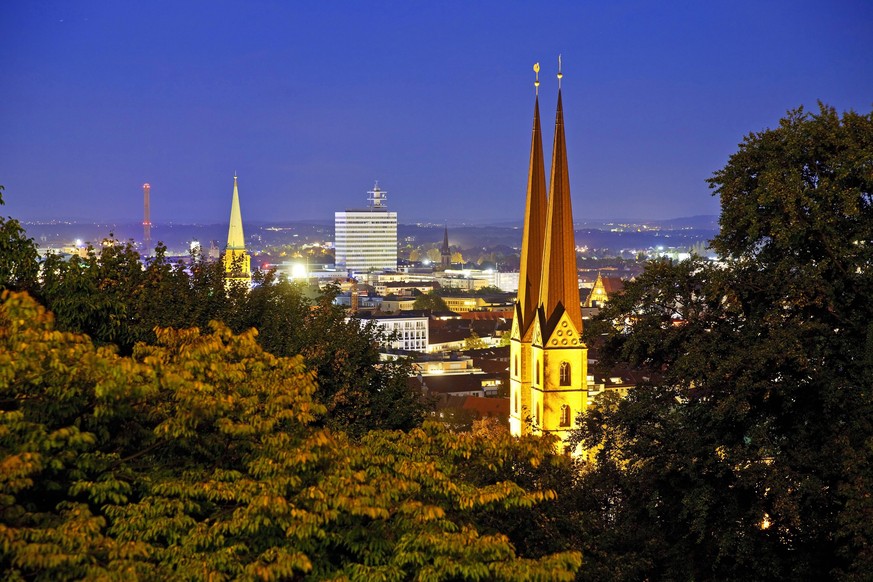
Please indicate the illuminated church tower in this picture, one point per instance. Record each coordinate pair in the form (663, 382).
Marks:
(529, 277)
(551, 377)
(237, 262)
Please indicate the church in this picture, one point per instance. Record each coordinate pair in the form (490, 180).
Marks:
(548, 359)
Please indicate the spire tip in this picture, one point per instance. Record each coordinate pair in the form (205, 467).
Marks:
(560, 74)
(536, 69)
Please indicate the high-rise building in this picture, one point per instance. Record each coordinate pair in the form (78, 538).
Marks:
(366, 239)
(237, 262)
(548, 359)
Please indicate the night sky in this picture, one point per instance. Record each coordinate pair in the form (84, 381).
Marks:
(310, 102)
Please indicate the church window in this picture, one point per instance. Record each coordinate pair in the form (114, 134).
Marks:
(565, 373)
(515, 365)
(565, 415)
(516, 400)
(538, 372)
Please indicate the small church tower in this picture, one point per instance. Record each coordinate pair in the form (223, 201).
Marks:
(555, 365)
(445, 251)
(237, 262)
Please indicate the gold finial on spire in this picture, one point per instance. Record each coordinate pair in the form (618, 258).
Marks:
(537, 81)
(560, 74)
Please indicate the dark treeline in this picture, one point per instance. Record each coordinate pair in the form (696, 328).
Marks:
(149, 449)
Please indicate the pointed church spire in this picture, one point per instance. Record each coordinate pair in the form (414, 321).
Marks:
(235, 237)
(560, 285)
(445, 251)
(530, 272)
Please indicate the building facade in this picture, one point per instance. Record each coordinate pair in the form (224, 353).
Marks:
(548, 359)
(365, 240)
(409, 333)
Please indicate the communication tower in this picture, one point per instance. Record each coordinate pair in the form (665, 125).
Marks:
(146, 220)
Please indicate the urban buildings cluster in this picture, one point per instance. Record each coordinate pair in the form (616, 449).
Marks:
(524, 347)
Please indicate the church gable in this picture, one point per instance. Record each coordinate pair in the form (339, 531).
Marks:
(563, 334)
(516, 324)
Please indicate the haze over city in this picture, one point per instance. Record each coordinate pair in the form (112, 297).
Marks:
(311, 103)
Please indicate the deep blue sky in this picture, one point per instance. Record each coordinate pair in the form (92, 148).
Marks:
(310, 102)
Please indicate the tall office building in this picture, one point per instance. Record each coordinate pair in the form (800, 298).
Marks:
(366, 239)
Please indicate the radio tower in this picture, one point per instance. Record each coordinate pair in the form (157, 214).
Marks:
(146, 220)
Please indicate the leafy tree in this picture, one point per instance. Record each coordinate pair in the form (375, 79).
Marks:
(19, 265)
(430, 302)
(199, 458)
(116, 300)
(489, 290)
(433, 255)
(457, 258)
(474, 342)
(748, 455)
(359, 391)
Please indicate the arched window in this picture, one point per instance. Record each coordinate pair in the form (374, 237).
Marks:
(516, 400)
(538, 372)
(515, 365)
(565, 373)
(565, 415)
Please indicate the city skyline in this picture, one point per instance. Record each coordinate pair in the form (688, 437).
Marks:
(309, 105)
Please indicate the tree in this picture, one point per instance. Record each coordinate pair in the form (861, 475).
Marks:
(115, 299)
(433, 255)
(19, 264)
(474, 342)
(360, 392)
(199, 458)
(748, 454)
(430, 302)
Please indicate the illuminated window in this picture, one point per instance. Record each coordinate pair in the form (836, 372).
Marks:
(565, 415)
(565, 373)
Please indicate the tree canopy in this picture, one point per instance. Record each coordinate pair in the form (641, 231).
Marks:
(748, 453)
(200, 457)
(18, 255)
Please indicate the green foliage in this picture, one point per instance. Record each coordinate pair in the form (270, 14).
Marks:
(474, 342)
(18, 256)
(430, 302)
(199, 458)
(748, 455)
(116, 300)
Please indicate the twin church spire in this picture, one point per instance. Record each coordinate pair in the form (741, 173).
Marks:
(547, 276)
(548, 359)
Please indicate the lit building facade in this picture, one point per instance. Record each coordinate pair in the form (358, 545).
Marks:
(366, 240)
(403, 332)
